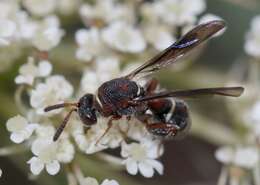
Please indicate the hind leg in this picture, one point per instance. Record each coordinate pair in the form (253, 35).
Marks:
(109, 126)
(151, 86)
(162, 129)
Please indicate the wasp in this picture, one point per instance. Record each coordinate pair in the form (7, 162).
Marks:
(124, 97)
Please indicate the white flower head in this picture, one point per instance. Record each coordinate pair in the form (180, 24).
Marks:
(93, 181)
(254, 113)
(8, 8)
(29, 71)
(124, 37)
(91, 141)
(45, 156)
(242, 156)
(50, 154)
(7, 31)
(225, 154)
(26, 27)
(20, 128)
(141, 157)
(107, 11)
(55, 89)
(107, 68)
(252, 43)
(179, 12)
(1, 172)
(159, 36)
(90, 44)
(40, 7)
(246, 157)
(48, 34)
(89, 82)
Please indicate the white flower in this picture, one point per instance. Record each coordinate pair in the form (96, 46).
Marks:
(124, 37)
(56, 89)
(45, 156)
(109, 182)
(254, 113)
(141, 157)
(179, 12)
(148, 13)
(87, 142)
(29, 71)
(89, 82)
(90, 44)
(242, 156)
(93, 181)
(26, 27)
(107, 11)
(159, 36)
(1, 172)
(246, 157)
(211, 17)
(8, 8)
(49, 154)
(106, 69)
(48, 34)
(252, 43)
(7, 30)
(225, 155)
(40, 7)
(20, 128)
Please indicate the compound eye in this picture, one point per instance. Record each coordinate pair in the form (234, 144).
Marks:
(86, 110)
(87, 116)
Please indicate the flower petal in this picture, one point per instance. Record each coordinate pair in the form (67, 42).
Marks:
(109, 182)
(131, 166)
(36, 165)
(45, 68)
(89, 181)
(17, 137)
(156, 165)
(16, 123)
(146, 169)
(53, 168)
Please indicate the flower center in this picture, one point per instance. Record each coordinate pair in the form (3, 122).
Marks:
(138, 152)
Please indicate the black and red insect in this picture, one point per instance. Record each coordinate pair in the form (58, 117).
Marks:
(163, 114)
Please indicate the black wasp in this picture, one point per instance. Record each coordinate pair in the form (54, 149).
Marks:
(124, 97)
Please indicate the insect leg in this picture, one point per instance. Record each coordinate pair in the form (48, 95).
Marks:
(62, 125)
(151, 86)
(109, 126)
(162, 129)
(58, 106)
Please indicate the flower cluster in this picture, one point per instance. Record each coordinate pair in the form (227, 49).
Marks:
(252, 44)
(241, 161)
(115, 32)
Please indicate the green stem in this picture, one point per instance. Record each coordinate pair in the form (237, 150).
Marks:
(18, 100)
